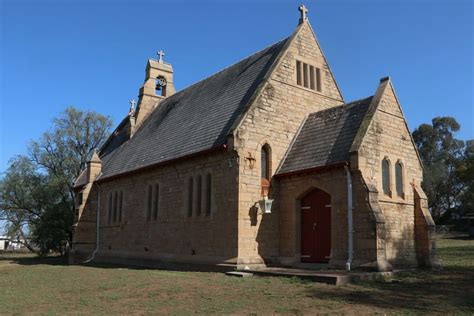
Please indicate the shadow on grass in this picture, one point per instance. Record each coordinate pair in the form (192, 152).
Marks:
(28, 258)
(418, 291)
(460, 237)
(32, 259)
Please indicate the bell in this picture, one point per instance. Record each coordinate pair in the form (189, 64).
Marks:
(158, 87)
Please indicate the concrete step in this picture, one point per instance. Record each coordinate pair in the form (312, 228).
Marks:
(328, 277)
(239, 274)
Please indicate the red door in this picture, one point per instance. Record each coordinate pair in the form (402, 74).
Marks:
(316, 227)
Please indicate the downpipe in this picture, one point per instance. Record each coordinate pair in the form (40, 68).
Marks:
(350, 221)
(97, 230)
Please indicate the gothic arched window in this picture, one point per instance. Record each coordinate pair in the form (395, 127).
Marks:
(208, 194)
(156, 201)
(386, 176)
(266, 161)
(265, 168)
(399, 179)
(149, 199)
(109, 218)
(190, 196)
(198, 195)
(120, 207)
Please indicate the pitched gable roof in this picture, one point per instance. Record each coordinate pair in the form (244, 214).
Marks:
(195, 119)
(325, 137)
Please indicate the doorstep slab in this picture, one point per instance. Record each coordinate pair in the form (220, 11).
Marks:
(239, 274)
(328, 277)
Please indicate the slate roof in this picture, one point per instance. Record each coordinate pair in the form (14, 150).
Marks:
(325, 137)
(81, 180)
(195, 119)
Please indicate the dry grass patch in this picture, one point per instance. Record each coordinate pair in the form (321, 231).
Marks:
(50, 286)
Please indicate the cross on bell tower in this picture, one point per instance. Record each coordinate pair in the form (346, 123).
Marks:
(160, 54)
(304, 13)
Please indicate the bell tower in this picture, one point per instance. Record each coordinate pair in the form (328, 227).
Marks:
(157, 87)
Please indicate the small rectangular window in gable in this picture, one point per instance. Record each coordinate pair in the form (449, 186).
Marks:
(308, 76)
(318, 79)
(298, 73)
(305, 75)
(311, 77)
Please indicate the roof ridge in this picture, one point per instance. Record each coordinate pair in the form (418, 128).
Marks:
(226, 68)
(359, 100)
(345, 105)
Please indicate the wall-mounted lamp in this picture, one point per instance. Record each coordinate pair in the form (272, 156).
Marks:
(266, 205)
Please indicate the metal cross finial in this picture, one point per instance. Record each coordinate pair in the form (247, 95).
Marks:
(160, 56)
(304, 12)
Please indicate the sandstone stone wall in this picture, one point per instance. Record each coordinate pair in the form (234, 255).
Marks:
(388, 137)
(85, 221)
(173, 236)
(275, 118)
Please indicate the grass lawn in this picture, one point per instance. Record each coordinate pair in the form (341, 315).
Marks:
(48, 286)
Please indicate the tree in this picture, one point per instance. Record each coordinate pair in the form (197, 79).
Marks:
(64, 151)
(36, 192)
(442, 156)
(466, 174)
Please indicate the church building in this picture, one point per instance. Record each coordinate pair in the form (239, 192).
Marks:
(263, 163)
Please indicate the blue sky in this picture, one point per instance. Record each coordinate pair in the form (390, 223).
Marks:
(92, 54)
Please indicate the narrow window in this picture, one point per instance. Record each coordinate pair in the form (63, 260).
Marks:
(198, 195)
(265, 161)
(311, 77)
(305, 75)
(318, 79)
(120, 209)
(399, 178)
(190, 197)
(298, 72)
(386, 176)
(148, 203)
(208, 194)
(155, 202)
(109, 219)
(114, 219)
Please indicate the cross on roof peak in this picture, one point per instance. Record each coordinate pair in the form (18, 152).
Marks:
(304, 13)
(160, 54)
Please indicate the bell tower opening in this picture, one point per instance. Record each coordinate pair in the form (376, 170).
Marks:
(160, 88)
(157, 87)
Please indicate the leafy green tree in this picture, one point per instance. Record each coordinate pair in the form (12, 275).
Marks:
(442, 156)
(466, 174)
(64, 151)
(36, 192)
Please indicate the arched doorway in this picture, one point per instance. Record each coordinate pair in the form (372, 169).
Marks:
(316, 227)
